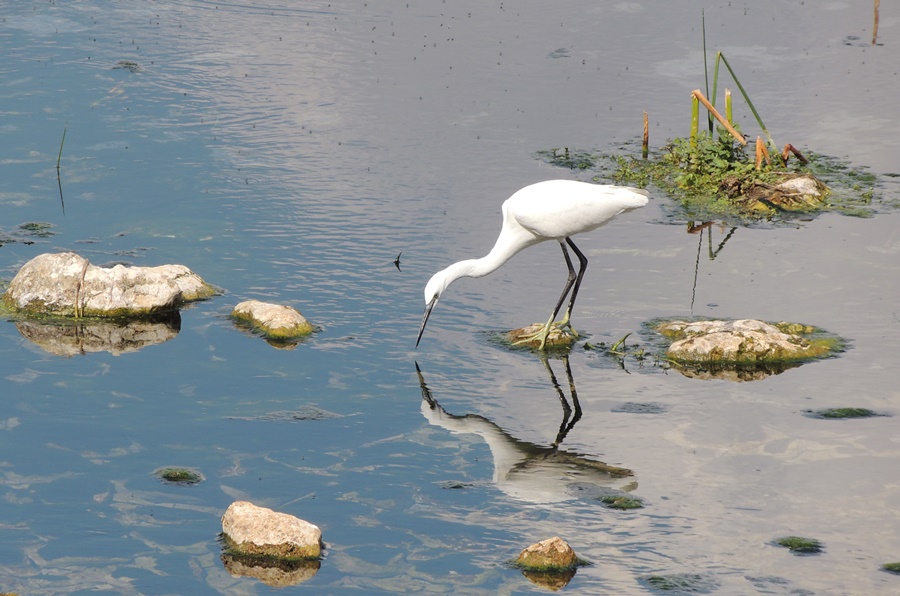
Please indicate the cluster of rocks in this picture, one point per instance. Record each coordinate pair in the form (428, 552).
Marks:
(122, 309)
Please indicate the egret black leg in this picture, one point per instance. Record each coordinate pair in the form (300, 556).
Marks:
(582, 261)
(572, 279)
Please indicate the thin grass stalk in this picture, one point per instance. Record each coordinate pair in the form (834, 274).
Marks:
(695, 119)
(58, 177)
(709, 120)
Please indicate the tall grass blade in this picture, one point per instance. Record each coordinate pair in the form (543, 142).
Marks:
(715, 88)
(706, 70)
(756, 115)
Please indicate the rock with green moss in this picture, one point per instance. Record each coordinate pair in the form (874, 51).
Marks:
(528, 336)
(892, 567)
(742, 342)
(259, 532)
(272, 321)
(178, 475)
(68, 285)
(553, 554)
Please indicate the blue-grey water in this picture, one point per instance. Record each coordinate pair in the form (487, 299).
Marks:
(289, 152)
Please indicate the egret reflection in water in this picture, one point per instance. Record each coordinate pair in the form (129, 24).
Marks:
(528, 471)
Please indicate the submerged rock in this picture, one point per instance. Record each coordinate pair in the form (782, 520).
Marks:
(260, 532)
(743, 342)
(273, 321)
(67, 285)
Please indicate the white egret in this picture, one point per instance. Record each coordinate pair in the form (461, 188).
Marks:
(549, 210)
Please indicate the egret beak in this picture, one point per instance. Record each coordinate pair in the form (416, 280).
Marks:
(428, 308)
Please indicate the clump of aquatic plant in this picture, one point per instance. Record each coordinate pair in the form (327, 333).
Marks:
(841, 413)
(177, 475)
(892, 567)
(682, 583)
(713, 175)
(25, 233)
(574, 159)
(622, 502)
(621, 352)
(798, 544)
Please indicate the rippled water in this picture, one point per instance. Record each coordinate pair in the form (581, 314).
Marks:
(291, 153)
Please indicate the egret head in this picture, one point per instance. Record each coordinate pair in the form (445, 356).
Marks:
(433, 289)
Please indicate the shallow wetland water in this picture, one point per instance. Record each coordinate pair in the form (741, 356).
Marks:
(289, 153)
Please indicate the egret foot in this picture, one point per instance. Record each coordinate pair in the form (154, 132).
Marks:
(564, 322)
(540, 336)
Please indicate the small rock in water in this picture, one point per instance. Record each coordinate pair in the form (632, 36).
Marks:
(274, 321)
(556, 337)
(259, 531)
(553, 554)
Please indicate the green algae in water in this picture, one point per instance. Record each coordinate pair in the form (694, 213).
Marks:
(798, 544)
(892, 567)
(841, 413)
(621, 502)
(564, 158)
(175, 475)
(681, 583)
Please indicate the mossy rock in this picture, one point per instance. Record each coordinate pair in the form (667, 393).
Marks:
(177, 475)
(523, 337)
(745, 342)
(276, 322)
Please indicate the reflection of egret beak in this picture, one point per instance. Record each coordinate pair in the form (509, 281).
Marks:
(425, 318)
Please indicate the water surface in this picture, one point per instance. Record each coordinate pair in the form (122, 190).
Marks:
(290, 153)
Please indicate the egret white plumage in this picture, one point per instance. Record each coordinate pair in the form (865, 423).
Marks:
(549, 210)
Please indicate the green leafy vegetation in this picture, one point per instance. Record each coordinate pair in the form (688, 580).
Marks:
(622, 502)
(841, 413)
(798, 544)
